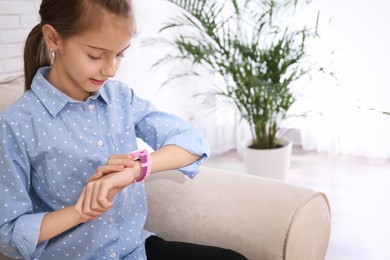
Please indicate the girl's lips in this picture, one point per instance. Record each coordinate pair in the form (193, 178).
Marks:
(97, 82)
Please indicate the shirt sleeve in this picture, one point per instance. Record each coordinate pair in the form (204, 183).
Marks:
(157, 129)
(19, 225)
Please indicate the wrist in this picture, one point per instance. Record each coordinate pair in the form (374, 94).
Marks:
(137, 170)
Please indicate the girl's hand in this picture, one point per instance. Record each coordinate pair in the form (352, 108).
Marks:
(96, 197)
(115, 163)
(87, 214)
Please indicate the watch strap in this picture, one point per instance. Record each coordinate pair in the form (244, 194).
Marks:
(146, 163)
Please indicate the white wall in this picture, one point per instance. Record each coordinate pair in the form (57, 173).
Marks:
(17, 18)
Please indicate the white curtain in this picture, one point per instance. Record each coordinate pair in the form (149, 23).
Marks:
(354, 44)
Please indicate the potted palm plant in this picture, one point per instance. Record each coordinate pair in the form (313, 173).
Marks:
(255, 52)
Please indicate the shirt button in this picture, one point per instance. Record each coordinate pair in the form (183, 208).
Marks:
(90, 107)
(111, 220)
(113, 254)
(100, 143)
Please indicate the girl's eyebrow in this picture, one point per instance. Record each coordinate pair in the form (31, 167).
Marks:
(103, 49)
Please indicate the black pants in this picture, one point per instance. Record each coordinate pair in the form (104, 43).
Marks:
(159, 249)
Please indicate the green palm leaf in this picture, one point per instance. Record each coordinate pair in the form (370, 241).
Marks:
(242, 41)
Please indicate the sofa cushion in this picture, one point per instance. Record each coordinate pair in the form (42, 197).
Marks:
(11, 88)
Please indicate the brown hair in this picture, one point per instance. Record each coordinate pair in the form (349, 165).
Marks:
(68, 17)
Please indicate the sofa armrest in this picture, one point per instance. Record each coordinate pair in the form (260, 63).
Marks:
(11, 88)
(258, 217)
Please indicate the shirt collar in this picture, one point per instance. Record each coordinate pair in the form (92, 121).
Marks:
(53, 99)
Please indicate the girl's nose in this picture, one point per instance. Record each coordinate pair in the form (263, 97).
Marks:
(109, 69)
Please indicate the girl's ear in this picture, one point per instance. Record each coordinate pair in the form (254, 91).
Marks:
(51, 36)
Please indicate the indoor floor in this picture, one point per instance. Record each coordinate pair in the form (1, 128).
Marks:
(358, 190)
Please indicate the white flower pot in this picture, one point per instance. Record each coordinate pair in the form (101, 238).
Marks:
(269, 163)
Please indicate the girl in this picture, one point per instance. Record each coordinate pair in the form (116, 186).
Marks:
(73, 122)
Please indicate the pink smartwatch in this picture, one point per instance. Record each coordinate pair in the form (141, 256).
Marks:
(146, 162)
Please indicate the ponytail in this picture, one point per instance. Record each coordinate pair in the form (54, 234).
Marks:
(36, 55)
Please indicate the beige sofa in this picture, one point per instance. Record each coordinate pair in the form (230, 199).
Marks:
(261, 218)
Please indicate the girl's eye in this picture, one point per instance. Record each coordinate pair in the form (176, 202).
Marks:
(93, 57)
(120, 55)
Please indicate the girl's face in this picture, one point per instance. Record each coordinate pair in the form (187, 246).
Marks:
(84, 62)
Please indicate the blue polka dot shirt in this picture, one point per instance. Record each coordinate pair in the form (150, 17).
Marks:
(50, 146)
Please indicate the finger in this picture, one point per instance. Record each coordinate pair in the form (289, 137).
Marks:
(119, 156)
(95, 204)
(87, 199)
(79, 208)
(111, 194)
(106, 169)
(96, 176)
(102, 197)
(87, 207)
(127, 162)
(114, 157)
